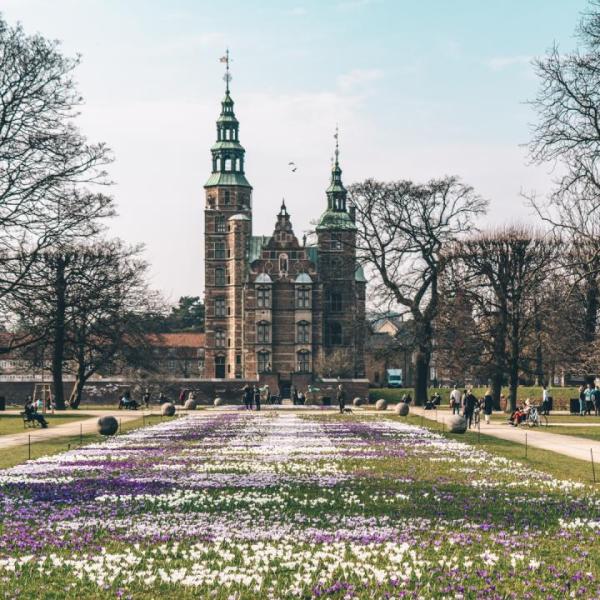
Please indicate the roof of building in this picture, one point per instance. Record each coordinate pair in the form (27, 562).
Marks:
(256, 245)
(336, 219)
(177, 340)
(303, 278)
(264, 278)
(219, 178)
(359, 274)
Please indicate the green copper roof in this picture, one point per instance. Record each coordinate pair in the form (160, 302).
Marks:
(312, 253)
(227, 179)
(256, 246)
(335, 219)
(359, 275)
(227, 145)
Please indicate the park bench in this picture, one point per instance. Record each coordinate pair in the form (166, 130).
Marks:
(28, 421)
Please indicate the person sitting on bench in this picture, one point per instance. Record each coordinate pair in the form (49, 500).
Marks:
(31, 414)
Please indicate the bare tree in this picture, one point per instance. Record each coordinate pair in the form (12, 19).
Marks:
(45, 162)
(402, 230)
(503, 275)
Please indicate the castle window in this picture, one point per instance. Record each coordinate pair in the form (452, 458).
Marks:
(264, 362)
(335, 334)
(228, 164)
(303, 332)
(220, 224)
(336, 241)
(219, 367)
(220, 338)
(219, 276)
(263, 332)
(303, 361)
(303, 297)
(220, 307)
(335, 302)
(226, 197)
(263, 297)
(219, 249)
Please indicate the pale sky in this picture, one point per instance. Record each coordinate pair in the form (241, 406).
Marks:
(419, 90)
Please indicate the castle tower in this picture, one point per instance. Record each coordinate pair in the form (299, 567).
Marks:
(227, 232)
(343, 293)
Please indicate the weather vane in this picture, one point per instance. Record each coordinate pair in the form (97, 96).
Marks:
(227, 77)
(337, 147)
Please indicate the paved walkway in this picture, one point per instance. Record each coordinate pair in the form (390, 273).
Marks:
(568, 445)
(86, 425)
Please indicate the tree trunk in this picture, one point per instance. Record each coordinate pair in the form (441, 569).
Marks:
(496, 386)
(513, 369)
(75, 398)
(591, 306)
(421, 377)
(539, 352)
(58, 345)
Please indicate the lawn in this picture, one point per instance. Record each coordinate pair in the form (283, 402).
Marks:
(244, 506)
(14, 423)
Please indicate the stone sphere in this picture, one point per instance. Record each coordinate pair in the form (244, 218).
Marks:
(219, 402)
(402, 409)
(190, 405)
(167, 409)
(358, 402)
(456, 424)
(381, 404)
(107, 425)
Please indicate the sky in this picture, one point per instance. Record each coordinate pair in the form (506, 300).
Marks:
(418, 89)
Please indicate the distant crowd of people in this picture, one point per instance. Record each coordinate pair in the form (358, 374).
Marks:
(589, 399)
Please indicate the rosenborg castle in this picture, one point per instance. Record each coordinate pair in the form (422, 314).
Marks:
(275, 307)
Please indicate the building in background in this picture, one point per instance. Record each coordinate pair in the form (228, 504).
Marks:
(277, 309)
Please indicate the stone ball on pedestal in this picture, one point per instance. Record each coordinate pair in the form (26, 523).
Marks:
(190, 405)
(107, 425)
(219, 401)
(358, 402)
(456, 424)
(381, 404)
(402, 409)
(167, 409)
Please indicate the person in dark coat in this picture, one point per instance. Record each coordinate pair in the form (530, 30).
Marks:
(341, 398)
(470, 404)
(488, 406)
(32, 414)
(294, 395)
(248, 396)
(257, 397)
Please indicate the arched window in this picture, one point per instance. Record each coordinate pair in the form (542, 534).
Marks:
(283, 263)
(263, 332)
(303, 332)
(220, 223)
(220, 338)
(264, 362)
(335, 334)
(335, 302)
(336, 241)
(219, 276)
(303, 361)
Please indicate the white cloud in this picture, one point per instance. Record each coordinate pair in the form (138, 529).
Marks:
(358, 78)
(499, 63)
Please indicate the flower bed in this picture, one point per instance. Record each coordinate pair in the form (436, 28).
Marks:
(236, 505)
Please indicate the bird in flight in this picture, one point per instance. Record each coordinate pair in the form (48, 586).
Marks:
(293, 165)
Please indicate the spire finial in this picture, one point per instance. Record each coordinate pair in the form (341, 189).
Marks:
(337, 146)
(283, 210)
(227, 77)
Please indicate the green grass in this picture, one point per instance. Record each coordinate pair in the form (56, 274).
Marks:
(558, 465)
(14, 423)
(15, 455)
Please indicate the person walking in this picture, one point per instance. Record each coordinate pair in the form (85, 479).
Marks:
(294, 395)
(146, 398)
(182, 395)
(488, 406)
(589, 399)
(455, 401)
(341, 398)
(581, 401)
(469, 409)
(257, 397)
(247, 396)
(267, 391)
(545, 401)
(596, 401)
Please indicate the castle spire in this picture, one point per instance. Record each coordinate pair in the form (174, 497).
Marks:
(336, 192)
(227, 152)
